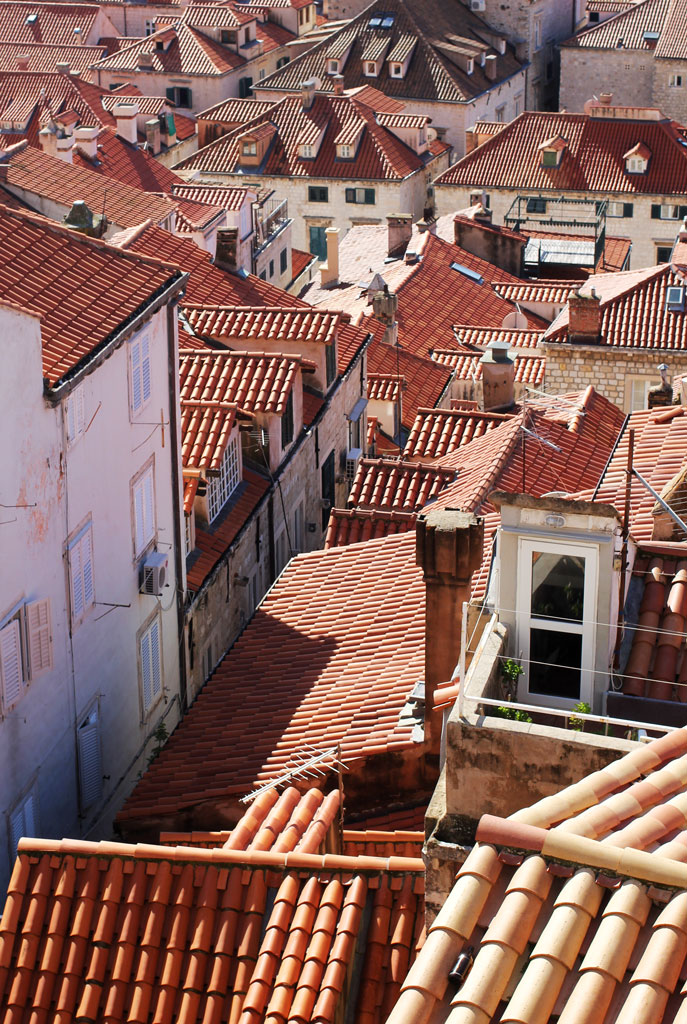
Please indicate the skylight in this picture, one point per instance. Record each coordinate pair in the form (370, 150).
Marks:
(381, 20)
(388, 21)
(675, 298)
(375, 22)
(466, 272)
(32, 19)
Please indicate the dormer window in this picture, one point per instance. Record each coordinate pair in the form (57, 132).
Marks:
(370, 69)
(332, 67)
(306, 152)
(637, 159)
(675, 299)
(396, 70)
(552, 151)
(227, 36)
(344, 152)
(249, 148)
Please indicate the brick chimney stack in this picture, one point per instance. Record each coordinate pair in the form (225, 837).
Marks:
(400, 230)
(449, 548)
(585, 316)
(226, 253)
(498, 378)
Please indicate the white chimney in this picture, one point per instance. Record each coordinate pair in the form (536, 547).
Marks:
(329, 271)
(125, 115)
(490, 68)
(62, 67)
(153, 136)
(64, 147)
(48, 141)
(338, 81)
(308, 90)
(22, 63)
(86, 140)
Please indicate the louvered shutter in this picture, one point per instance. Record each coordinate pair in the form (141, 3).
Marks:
(80, 411)
(145, 369)
(146, 672)
(136, 382)
(76, 580)
(40, 639)
(87, 568)
(16, 827)
(90, 768)
(156, 674)
(29, 809)
(655, 211)
(71, 419)
(81, 573)
(10, 663)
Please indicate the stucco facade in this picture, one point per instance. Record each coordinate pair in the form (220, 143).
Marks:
(81, 729)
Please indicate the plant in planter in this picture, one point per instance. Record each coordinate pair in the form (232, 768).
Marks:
(582, 708)
(511, 670)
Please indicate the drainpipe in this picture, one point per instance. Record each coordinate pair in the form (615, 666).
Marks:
(175, 456)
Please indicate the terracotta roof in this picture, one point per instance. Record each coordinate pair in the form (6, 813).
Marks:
(84, 290)
(289, 680)
(254, 930)
(549, 292)
(395, 484)
(575, 907)
(206, 427)
(378, 843)
(43, 57)
(353, 525)
(659, 454)
(312, 403)
(30, 100)
(393, 816)
(254, 381)
(207, 283)
(437, 432)
(299, 261)
(193, 216)
(126, 163)
(385, 387)
(237, 324)
(592, 162)
(434, 71)
(483, 336)
(380, 155)
(189, 53)
(630, 26)
(530, 368)
(213, 541)
(53, 23)
(35, 173)
(226, 198)
(635, 310)
(426, 383)
(377, 442)
(236, 111)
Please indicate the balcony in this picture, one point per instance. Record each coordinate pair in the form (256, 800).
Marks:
(270, 218)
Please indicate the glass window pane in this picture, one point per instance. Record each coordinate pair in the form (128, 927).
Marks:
(558, 586)
(555, 660)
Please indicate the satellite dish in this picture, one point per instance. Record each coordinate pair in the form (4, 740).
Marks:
(515, 321)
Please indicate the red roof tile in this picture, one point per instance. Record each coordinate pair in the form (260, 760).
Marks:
(83, 289)
(44, 57)
(30, 100)
(38, 174)
(312, 403)
(377, 442)
(254, 381)
(190, 52)
(206, 427)
(126, 163)
(437, 432)
(380, 154)
(630, 28)
(398, 485)
(592, 162)
(53, 23)
(115, 932)
(226, 198)
(426, 383)
(299, 261)
(289, 681)
(243, 325)
(352, 525)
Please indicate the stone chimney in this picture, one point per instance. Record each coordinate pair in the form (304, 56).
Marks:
(490, 66)
(125, 115)
(86, 141)
(449, 548)
(661, 394)
(471, 140)
(64, 148)
(81, 218)
(585, 316)
(145, 60)
(22, 63)
(62, 67)
(471, 231)
(399, 230)
(47, 140)
(153, 136)
(329, 271)
(338, 81)
(308, 90)
(498, 377)
(605, 99)
(226, 252)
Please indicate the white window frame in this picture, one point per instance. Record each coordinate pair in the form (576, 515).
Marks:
(370, 69)
(670, 211)
(637, 391)
(14, 676)
(22, 820)
(150, 663)
(75, 414)
(526, 620)
(144, 508)
(140, 377)
(89, 758)
(220, 488)
(537, 32)
(674, 81)
(613, 206)
(396, 70)
(249, 148)
(81, 573)
(636, 165)
(345, 152)
(189, 532)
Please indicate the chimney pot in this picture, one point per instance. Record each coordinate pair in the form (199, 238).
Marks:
(585, 316)
(23, 63)
(64, 146)
(605, 99)
(86, 140)
(399, 232)
(490, 66)
(226, 252)
(125, 115)
(498, 377)
(329, 271)
(308, 90)
(338, 81)
(153, 136)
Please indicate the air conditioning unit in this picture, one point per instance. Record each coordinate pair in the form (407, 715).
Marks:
(477, 5)
(353, 457)
(154, 573)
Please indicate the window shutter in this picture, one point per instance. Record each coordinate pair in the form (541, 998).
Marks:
(350, 195)
(87, 568)
(138, 515)
(29, 809)
(16, 827)
(145, 369)
(10, 663)
(655, 211)
(76, 580)
(71, 418)
(136, 383)
(146, 670)
(683, 212)
(170, 93)
(148, 509)
(628, 209)
(369, 196)
(156, 674)
(40, 639)
(90, 769)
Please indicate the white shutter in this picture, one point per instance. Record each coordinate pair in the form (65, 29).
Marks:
(71, 418)
(10, 663)
(145, 369)
(146, 672)
(90, 768)
(139, 517)
(76, 580)
(16, 827)
(148, 507)
(29, 809)
(155, 658)
(136, 383)
(76, 416)
(87, 568)
(81, 573)
(40, 638)
(23, 821)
